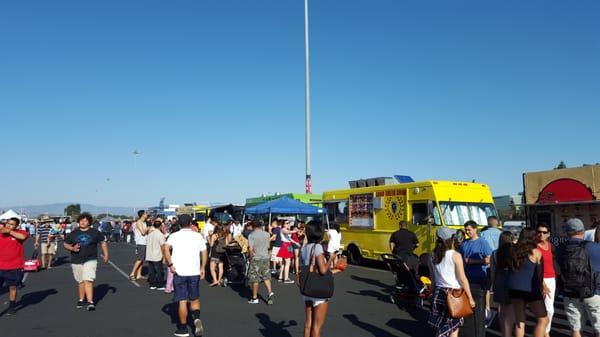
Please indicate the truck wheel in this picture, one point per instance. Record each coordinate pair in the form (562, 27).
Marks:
(354, 256)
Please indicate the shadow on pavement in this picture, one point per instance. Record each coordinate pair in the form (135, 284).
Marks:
(375, 331)
(59, 261)
(241, 290)
(372, 293)
(170, 309)
(274, 329)
(372, 282)
(410, 327)
(101, 291)
(35, 297)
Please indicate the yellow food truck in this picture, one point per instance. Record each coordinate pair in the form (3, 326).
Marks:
(199, 213)
(371, 210)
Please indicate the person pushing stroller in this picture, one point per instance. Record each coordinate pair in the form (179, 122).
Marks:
(402, 244)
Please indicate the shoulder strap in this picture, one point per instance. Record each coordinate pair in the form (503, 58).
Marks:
(311, 257)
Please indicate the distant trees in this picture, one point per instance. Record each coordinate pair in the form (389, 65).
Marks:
(73, 210)
(561, 165)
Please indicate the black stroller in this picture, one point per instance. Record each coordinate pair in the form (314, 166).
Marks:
(409, 290)
(236, 265)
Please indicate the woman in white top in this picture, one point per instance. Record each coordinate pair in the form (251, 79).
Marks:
(448, 273)
(335, 242)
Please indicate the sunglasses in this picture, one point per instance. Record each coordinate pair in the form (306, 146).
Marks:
(543, 232)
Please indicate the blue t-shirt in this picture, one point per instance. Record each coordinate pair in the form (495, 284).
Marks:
(277, 232)
(475, 250)
(491, 236)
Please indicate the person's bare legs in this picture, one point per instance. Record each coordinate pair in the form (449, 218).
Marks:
(308, 310)
(576, 333)
(297, 261)
(319, 315)
(454, 333)
(81, 291)
(89, 291)
(221, 270)
(254, 290)
(540, 327)
(44, 259)
(50, 259)
(137, 269)
(519, 329)
(506, 319)
(213, 273)
(286, 269)
(267, 285)
(12, 293)
(183, 312)
(195, 304)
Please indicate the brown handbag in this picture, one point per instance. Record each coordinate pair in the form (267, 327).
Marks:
(458, 303)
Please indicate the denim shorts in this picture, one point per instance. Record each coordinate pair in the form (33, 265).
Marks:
(12, 277)
(187, 288)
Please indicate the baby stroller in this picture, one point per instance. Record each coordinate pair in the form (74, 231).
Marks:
(236, 265)
(409, 290)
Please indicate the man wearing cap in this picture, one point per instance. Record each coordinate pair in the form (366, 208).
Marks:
(187, 262)
(47, 243)
(579, 263)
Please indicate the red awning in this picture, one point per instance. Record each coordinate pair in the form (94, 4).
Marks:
(565, 191)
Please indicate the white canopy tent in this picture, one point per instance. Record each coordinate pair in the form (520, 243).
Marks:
(9, 214)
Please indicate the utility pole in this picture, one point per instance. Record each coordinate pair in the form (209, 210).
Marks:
(308, 184)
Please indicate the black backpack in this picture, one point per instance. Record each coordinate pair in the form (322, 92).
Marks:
(576, 279)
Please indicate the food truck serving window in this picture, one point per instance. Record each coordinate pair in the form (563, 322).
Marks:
(337, 211)
(361, 210)
(457, 213)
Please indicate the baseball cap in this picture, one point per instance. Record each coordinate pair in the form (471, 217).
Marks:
(574, 225)
(445, 233)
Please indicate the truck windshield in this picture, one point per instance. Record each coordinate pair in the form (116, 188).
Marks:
(457, 213)
(199, 217)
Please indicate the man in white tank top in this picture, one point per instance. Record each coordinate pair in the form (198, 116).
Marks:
(140, 231)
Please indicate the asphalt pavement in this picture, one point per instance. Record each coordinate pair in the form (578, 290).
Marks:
(360, 307)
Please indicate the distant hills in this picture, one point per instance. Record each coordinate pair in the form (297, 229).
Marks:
(58, 209)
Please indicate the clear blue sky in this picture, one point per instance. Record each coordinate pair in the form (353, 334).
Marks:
(212, 93)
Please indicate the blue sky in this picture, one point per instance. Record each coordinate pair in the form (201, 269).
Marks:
(212, 94)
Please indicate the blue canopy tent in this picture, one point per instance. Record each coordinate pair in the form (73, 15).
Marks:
(285, 205)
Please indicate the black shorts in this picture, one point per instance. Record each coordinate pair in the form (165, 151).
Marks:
(522, 300)
(12, 277)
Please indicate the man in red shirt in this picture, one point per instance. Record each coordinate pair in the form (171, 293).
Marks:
(12, 259)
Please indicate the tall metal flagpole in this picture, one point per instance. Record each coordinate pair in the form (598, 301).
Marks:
(307, 99)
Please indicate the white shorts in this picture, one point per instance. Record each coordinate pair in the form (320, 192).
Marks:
(274, 252)
(315, 301)
(85, 271)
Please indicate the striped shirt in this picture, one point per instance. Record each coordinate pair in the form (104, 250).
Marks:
(43, 232)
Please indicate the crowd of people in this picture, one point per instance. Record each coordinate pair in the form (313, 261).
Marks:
(517, 273)
(498, 271)
(273, 250)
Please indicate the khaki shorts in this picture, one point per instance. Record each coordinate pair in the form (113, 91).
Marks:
(85, 271)
(48, 248)
(274, 252)
(577, 310)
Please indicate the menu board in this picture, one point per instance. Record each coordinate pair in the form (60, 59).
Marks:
(361, 210)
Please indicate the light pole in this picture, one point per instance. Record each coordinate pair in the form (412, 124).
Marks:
(308, 184)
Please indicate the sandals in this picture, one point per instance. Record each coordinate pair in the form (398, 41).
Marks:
(132, 278)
